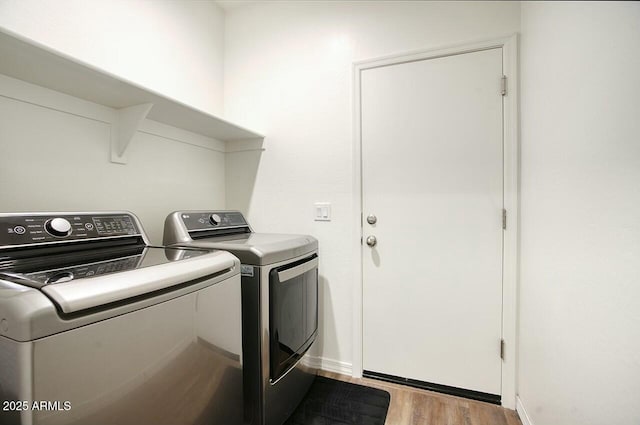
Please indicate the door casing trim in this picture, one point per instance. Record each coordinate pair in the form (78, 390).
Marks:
(511, 158)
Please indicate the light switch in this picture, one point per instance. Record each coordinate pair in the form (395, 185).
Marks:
(322, 211)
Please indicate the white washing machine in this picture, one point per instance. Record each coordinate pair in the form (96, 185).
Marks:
(97, 327)
(279, 305)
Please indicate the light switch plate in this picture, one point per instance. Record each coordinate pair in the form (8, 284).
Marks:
(322, 211)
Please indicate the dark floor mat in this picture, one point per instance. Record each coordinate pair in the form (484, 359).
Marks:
(331, 402)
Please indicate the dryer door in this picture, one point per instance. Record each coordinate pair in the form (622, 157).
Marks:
(293, 315)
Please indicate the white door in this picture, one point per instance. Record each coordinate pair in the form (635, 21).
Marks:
(432, 171)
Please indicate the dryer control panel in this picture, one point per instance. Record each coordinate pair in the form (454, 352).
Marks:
(209, 220)
(44, 228)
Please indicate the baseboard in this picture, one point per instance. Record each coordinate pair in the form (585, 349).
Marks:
(329, 365)
(524, 417)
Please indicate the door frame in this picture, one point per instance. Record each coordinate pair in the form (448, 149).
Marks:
(510, 263)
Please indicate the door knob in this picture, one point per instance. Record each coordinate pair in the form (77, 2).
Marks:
(371, 241)
(372, 219)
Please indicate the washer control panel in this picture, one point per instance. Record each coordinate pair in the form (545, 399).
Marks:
(209, 220)
(26, 229)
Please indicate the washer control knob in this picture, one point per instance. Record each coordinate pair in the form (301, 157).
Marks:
(58, 227)
(214, 219)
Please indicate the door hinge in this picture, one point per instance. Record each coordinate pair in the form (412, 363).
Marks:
(503, 85)
(504, 219)
(502, 349)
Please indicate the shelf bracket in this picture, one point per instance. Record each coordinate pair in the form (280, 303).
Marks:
(124, 127)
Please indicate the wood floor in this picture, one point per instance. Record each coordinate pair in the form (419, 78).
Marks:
(412, 406)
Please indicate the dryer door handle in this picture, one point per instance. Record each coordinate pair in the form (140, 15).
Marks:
(289, 274)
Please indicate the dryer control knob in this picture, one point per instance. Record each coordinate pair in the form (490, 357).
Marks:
(214, 219)
(58, 227)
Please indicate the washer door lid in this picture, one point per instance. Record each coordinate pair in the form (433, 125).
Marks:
(83, 294)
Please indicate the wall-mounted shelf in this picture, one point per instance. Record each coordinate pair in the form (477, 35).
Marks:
(34, 63)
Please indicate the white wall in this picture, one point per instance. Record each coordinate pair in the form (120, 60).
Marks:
(51, 160)
(580, 249)
(56, 161)
(173, 47)
(288, 72)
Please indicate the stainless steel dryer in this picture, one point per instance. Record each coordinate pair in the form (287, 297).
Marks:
(98, 327)
(279, 305)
